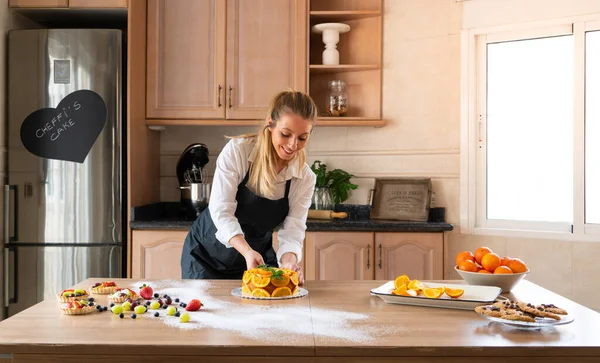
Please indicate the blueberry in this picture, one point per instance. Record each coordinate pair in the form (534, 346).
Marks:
(91, 303)
(104, 308)
(147, 302)
(177, 314)
(112, 304)
(164, 306)
(166, 296)
(155, 294)
(98, 307)
(177, 300)
(181, 304)
(133, 316)
(121, 315)
(91, 299)
(184, 305)
(156, 314)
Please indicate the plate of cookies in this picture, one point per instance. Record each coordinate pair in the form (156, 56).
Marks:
(524, 315)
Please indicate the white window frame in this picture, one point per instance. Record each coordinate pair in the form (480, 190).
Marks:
(473, 219)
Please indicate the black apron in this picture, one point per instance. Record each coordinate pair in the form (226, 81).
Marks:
(204, 257)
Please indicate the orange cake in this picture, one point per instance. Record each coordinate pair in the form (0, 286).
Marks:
(265, 282)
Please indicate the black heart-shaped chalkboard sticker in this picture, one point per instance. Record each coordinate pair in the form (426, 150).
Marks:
(68, 131)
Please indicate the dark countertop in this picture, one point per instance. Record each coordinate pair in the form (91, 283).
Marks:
(173, 215)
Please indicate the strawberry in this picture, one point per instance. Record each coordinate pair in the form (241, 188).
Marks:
(194, 305)
(146, 292)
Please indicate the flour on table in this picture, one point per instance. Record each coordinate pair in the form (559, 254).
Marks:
(253, 321)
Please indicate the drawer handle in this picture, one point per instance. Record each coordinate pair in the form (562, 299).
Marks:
(368, 257)
(380, 256)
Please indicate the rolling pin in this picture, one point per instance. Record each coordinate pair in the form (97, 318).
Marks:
(325, 214)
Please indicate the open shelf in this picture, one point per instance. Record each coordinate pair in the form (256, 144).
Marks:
(324, 69)
(335, 16)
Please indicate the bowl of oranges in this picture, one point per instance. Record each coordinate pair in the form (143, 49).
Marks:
(486, 268)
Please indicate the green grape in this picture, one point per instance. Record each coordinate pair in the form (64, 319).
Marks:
(126, 306)
(140, 309)
(154, 305)
(171, 310)
(184, 318)
(117, 309)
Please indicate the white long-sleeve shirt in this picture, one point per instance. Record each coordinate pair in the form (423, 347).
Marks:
(232, 165)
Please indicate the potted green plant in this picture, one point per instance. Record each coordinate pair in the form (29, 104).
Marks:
(332, 186)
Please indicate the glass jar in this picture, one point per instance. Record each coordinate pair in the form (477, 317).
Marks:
(322, 199)
(337, 104)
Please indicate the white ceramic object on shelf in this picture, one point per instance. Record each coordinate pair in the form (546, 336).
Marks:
(331, 37)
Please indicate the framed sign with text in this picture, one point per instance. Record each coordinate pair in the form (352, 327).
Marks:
(402, 199)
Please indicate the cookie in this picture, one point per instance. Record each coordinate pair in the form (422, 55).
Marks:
(489, 310)
(551, 308)
(537, 311)
(518, 317)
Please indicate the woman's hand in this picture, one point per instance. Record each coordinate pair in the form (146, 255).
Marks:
(289, 260)
(253, 259)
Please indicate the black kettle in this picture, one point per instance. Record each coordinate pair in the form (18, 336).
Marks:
(191, 163)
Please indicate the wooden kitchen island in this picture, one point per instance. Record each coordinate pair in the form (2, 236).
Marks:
(337, 321)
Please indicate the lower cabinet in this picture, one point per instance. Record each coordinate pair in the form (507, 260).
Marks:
(374, 255)
(156, 254)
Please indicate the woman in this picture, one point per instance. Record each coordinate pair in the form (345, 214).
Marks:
(261, 181)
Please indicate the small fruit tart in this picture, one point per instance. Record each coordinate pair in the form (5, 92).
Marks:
(77, 307)
(123, 294)
(72, 294)
(104, 288)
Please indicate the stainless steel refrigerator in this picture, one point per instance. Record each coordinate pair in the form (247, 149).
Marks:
(64, 202)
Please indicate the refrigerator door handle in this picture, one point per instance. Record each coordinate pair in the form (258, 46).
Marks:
(7, 299)
(7, 237)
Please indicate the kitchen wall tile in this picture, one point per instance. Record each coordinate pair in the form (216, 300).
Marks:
(585, 269)
(548, 260)
(419, 19)
(175, 139)
(328, 139)
(447, 196)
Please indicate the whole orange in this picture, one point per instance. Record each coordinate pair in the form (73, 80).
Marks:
(503, 270)
(505, 260)
(467, 265)
(517, 265)
(490, 261)
(483, 272)
(480, 252)
(464, 255)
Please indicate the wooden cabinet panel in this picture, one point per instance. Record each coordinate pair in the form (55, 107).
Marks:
(276, 247)
(38, 3)
(156, 254)
(418, 255)
(266, 52)
(97, 4)
(339, 256)
(186, 59)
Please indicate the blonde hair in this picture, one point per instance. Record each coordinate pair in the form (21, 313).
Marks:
(263, 170)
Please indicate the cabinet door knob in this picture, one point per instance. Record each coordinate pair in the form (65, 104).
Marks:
(219, 97)
(380, 256)
(368, 257)
(230, 89)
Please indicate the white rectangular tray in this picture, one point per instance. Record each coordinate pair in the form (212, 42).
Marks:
(474, 296)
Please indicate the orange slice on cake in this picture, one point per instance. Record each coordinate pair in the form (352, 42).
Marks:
(281, 292)
(280, 281)
(261, 281)
(260, 293)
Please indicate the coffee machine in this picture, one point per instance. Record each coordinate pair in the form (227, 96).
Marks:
(191, 174)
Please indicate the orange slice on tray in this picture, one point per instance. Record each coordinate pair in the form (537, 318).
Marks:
(416, 285)
(280, 281)
(261, 281)
(260, 293)
(247, 277)
(294, 278)
(401, 280)
(403, 291)
(433, 292)
(454, 293)
(281, 292)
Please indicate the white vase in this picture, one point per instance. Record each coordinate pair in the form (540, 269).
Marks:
(331, 37)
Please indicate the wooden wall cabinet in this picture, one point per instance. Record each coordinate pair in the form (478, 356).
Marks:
(156, 254)
(360, 65)
(369, 255)
(72, 4)
(222, 59)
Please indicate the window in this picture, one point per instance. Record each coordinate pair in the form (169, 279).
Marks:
(531, 130)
